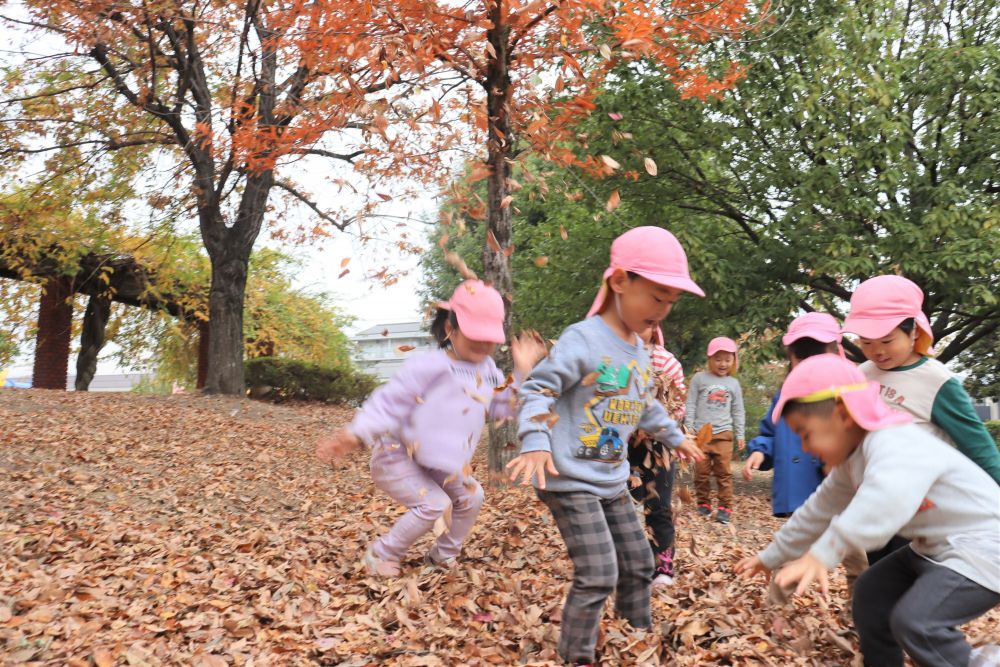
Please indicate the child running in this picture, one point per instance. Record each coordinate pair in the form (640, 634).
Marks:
(423, 426)
(796, 474)
(652, 462)
(888, 476)
(896, 338)
(580, 406)
(715, 400)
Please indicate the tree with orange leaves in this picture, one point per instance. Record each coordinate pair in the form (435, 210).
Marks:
(228, 95)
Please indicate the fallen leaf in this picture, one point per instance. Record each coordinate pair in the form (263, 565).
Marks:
(650, 166)
(541, 261)
(610, 162)
(614, 201)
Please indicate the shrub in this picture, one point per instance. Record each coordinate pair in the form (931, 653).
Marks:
(993, 426)
(276, 379)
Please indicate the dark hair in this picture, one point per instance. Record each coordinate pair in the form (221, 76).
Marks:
(438, 329)
(819, 408)
(803, 348)
(632, 275)
(907, 325)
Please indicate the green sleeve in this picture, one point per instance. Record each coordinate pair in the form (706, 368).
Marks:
(953, 412)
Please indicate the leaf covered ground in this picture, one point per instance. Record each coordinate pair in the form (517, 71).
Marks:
(200, 531)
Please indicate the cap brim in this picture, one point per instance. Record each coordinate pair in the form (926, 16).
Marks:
(869, 327)
(822, 336)
(866, 406)
(677, 282)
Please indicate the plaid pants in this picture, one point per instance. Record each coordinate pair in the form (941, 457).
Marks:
(610, 553)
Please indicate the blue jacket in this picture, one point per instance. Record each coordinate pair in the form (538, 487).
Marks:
(796, 474)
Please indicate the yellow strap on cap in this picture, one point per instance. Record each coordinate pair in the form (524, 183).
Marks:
(829, 393)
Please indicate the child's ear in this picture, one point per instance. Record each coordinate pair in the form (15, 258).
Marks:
(618, 281)
(842, 413)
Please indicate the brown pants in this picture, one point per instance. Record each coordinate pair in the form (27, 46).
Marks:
(718, 456)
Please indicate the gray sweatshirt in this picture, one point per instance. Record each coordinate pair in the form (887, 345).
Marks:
(716, 400)
(583, 401)
(901, 480)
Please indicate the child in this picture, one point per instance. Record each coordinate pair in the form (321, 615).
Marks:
(796, 474)
(715, 398)
(424, 424)
(896, 339)
(579, 407)
(888, 476)
(653, 464)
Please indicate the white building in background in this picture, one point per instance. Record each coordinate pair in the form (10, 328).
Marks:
(377, 350)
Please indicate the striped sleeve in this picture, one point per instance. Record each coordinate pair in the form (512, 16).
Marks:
(666, 363)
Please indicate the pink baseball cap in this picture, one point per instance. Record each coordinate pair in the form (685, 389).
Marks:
(828, 376)
(653, 253)
(479, 311)
(880, 304)
(722, 344)
(821, 327)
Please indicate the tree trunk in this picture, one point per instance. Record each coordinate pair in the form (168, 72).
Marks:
(229, 249)
(92, 339)
(55, 322)
(225, 316)
(496, 265)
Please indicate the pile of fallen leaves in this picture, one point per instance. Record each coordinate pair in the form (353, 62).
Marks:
(201, 531)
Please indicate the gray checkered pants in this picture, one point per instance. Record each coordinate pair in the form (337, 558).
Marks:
(610, 553)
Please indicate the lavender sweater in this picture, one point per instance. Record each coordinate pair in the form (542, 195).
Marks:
(435, 407)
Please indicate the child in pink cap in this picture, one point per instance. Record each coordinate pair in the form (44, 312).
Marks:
(888, 476)
(715, 399)
(777, 447)
(895, 337)
(424, 424)
(653, 467)
(580, 406)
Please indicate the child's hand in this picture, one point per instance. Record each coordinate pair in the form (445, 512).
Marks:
(753, 463)
(532, 464)
(751, 567)
(339, 444)
(527, 349)
(689, 449)
(741, 445)
(805, 571)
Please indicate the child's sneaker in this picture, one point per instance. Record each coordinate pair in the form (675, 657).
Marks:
(705, 510)
(664, 568)
(446, 564)
(723, 515)
(377, 567)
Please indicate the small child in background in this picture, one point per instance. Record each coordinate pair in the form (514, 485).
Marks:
(888, 476)
(580, 406)
(423, 426)
(716, 399)
(796, 474)
(652, 463)
(896, 339)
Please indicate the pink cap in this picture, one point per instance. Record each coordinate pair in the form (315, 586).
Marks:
(653, 253)
(827, 376)
(818, 326)
(479, 311)
(880, 304)
(722, 344)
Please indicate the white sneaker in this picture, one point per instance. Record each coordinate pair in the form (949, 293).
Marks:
(378, 567)
(663, 580)
(446, 564)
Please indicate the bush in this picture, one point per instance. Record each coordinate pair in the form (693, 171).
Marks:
(993, 426)
(276, 379)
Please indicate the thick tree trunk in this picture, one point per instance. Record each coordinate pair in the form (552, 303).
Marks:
(496, 264)
(229, 249)
(55, 323)
(92, 339)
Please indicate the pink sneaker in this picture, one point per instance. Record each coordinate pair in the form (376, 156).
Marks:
(378, 567)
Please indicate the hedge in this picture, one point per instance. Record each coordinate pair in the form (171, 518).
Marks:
(993, 426)
(276, 379)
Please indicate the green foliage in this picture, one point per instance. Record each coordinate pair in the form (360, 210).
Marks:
(993, 426)
(279, 380)
(862, 141)
(982, 363)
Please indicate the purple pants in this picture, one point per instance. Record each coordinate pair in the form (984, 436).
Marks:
(428, 496)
